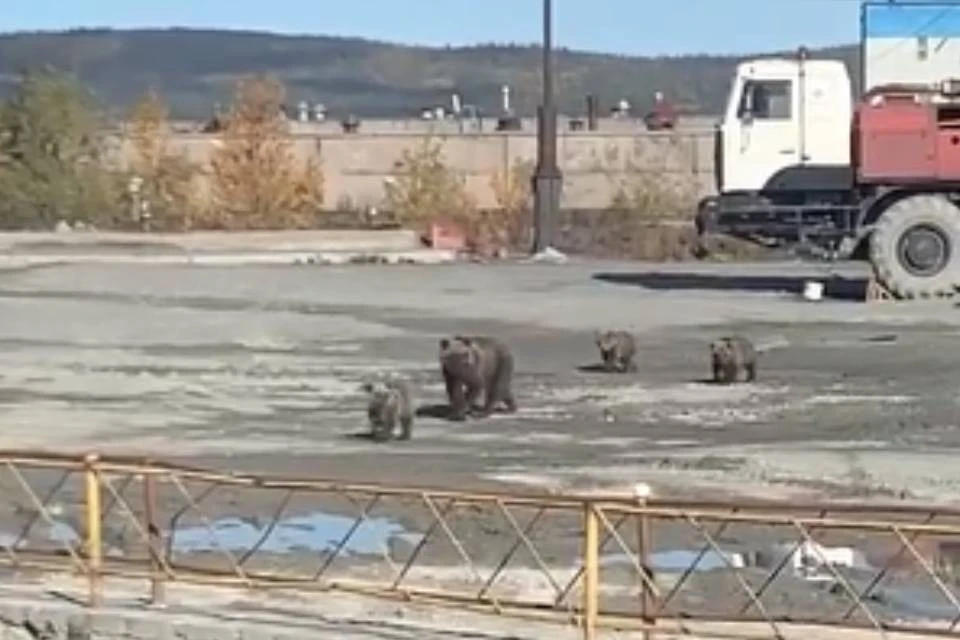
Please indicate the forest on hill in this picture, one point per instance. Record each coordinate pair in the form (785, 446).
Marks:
(196, 69)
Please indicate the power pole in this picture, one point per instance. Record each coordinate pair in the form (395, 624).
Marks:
(547, 179)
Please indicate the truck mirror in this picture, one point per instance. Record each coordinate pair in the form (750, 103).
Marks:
(746, 117)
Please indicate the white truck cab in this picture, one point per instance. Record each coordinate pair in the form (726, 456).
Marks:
(788, 174)
(783, 114)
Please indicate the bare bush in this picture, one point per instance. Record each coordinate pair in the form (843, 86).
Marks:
(646, 196)
(510, 225)
(426, 190)
(650, 217)
(647, 219)
(257, 182)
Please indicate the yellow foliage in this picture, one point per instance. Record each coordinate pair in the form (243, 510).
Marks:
(644, 192)
(148, 130)
(426, 190)
(647, 195)
(511, 223)
(648, 216)
(169, 179)
(257, 182)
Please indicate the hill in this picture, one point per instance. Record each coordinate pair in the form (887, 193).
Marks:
(194, 69)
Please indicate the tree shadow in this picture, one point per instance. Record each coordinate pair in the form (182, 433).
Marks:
(835, 287)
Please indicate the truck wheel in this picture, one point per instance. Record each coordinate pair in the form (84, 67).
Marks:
(915, 247)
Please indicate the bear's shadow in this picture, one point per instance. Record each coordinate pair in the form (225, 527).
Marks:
(720, 383)
(596, 367)
(360, 435)
(438, 411)
(599, 367)
(444, 412)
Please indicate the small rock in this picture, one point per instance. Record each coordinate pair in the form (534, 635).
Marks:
(549, 256)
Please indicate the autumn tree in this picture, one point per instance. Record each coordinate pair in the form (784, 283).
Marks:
(257, 181)
(510, 225)
(426, 189)
(168, 180)
(53, 163)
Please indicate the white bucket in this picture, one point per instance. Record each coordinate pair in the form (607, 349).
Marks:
(813, 290)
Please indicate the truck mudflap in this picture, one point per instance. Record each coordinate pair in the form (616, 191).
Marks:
(705, 220)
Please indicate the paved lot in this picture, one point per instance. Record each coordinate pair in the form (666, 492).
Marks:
(259, 367)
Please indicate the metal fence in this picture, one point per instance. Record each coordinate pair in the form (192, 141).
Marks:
(598, 562)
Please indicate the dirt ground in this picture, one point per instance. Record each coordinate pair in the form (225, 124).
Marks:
(259, 369)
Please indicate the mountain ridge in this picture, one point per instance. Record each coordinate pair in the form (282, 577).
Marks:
(194, 69)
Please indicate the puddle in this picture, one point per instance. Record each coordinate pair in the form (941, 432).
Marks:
(806, 561)
(921, 600)
(679, 560)
(59, 533)
(316, 532)
(925, 602)
(320, 532)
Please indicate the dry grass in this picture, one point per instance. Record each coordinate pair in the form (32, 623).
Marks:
(426, 190)
(511, 224)
(650, 217)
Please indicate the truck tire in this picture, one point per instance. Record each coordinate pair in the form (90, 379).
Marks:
(915, 247)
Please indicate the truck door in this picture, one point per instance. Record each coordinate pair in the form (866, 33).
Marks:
(764, 135)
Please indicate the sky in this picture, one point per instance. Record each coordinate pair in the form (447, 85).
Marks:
(641, 27)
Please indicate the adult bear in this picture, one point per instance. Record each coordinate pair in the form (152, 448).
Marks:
(471, 364)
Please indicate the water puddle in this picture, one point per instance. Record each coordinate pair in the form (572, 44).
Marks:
(808, 563)
(679, 560)
(322, 532)
(60, 533)
(316, 532)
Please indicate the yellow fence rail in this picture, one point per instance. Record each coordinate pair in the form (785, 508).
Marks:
(598, 562)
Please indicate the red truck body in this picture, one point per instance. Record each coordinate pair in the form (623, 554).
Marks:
(906, 137)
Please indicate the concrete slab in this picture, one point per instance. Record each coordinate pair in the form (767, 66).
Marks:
(211, 613)
(269, 241)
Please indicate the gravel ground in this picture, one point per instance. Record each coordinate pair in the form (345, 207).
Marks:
(258, 368)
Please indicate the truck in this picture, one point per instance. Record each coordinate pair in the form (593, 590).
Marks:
(800, 162)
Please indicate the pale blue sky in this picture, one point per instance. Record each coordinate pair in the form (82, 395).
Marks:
(619, 26)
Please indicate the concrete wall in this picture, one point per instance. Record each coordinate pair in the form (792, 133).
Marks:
(594, 163)
(606, 124)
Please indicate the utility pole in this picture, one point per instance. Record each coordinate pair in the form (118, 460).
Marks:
(547, 179)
